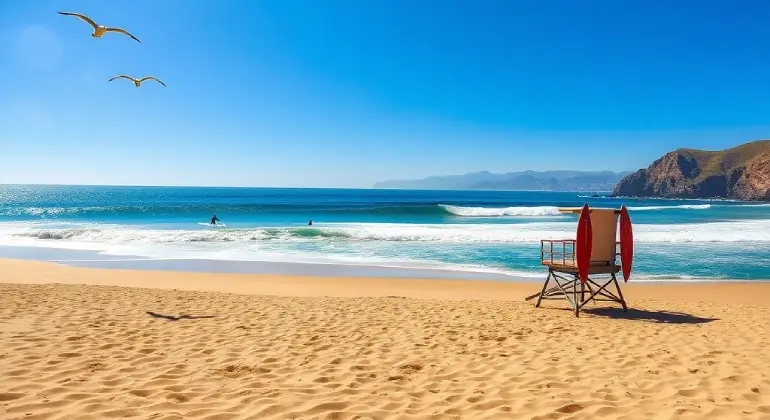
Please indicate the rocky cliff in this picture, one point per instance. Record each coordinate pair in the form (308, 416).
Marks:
(742, 173)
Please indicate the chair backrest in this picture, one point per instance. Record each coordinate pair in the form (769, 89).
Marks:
(604, 226)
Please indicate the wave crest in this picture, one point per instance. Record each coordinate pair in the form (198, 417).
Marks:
(744, 231)
(501, 211)
(400, 209)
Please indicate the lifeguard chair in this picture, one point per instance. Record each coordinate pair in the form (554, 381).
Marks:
(588, 263)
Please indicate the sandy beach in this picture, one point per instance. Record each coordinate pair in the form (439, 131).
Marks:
(80, 343)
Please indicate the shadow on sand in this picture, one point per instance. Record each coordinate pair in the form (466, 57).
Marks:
(663, 317)
(177, 318)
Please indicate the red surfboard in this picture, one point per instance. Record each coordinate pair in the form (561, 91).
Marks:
(626, 243)
(583, 243)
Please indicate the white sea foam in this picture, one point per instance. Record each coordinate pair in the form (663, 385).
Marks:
(501, 211)
(728, 231)
(543, 211)
(367, 244)
(256, 252)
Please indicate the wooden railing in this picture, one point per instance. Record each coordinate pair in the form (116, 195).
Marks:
(562, 251)
(564, 256)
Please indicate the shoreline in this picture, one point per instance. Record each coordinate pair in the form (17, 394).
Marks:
(44, 272)
(94, 259)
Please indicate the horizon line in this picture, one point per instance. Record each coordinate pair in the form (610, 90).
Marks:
(284, 188)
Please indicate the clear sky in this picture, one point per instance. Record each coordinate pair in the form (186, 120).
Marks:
(344, 93)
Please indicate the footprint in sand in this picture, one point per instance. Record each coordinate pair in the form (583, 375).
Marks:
(144, 393)
(569, 408)
(410, 367)
(179, 398)
(68, 355)
(9, 396)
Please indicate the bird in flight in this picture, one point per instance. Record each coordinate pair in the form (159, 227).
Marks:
(137, 82)
(99, 30)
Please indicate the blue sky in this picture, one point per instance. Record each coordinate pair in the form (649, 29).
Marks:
(343, 93)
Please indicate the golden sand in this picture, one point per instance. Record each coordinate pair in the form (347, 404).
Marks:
(95, 344)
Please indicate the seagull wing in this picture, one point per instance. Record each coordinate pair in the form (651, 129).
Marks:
(152, 78)
(84, 17)
(122, 76)
(123, 31)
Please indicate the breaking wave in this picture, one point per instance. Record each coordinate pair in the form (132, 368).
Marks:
(503, 211)
(396, 209)
(730, 231)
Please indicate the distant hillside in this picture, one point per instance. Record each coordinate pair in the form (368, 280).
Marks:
(742, 173)
(527, 180)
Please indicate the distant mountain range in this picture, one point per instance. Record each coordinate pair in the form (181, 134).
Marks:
(526, 180)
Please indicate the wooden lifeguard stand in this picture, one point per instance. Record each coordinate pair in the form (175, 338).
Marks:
(588, 263)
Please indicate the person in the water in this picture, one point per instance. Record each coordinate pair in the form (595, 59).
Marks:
(310, 223)
(214, 220)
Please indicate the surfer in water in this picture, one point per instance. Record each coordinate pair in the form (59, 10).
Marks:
(310, 223)
(214, 220)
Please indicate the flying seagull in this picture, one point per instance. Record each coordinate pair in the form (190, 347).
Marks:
(99, 30)
(137, 82)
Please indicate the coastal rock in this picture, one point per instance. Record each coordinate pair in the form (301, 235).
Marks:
(742, 173)
(756, 182)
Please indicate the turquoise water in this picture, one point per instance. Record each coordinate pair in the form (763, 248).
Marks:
(485, 231)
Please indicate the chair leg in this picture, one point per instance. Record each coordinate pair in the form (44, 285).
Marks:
(590, 292)
(545, 285)
(620, 294)
(575, 298)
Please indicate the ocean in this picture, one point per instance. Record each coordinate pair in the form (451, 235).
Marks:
(472, 232)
